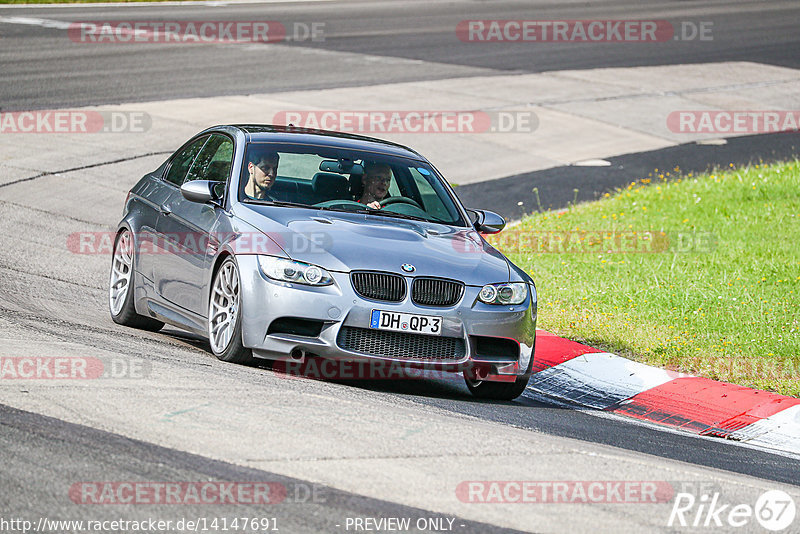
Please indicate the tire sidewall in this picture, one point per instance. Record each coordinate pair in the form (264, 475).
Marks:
(502, 390)
(127, 305)
(235, 351)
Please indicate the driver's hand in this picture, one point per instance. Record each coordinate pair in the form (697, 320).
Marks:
(374, 205)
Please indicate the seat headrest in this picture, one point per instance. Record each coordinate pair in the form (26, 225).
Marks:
(330, 186)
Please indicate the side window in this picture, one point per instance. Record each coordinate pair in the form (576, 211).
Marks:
(181, 162)
(214, 161)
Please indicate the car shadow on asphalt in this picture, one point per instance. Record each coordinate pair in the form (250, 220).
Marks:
(428, 385)
(421, 384)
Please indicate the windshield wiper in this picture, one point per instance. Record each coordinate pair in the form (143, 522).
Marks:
(393, 214)
(366, 211)
(279, 203)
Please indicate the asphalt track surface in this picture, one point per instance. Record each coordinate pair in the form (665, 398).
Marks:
(43, 455)
(33, 439)
(365, 43)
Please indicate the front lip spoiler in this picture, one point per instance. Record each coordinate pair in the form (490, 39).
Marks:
(493, 372)
(499, 371)
(336, 352)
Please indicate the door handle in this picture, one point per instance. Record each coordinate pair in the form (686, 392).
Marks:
(166, 210)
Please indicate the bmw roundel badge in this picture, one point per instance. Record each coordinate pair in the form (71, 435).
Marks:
(407, 267)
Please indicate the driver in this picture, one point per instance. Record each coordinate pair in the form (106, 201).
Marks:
(376, 180)
(263, 169)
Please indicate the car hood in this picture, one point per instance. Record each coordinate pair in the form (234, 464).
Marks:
(344, 242)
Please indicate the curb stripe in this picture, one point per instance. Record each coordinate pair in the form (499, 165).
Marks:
(779, 431)
(599, 380)
(552, 350)
(582, 375)
(704, 406)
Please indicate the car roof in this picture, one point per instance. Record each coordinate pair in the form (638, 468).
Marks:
(268, 133)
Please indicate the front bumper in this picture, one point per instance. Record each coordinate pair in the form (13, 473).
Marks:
(338, 306)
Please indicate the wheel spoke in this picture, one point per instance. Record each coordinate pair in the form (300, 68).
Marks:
(121, 285)
(219, 297)
(225, 291)
(226, 336)
(228, 283)
(220, 313)
(220, 331)
(216, 337)
(126, 256)
(120, 269)
(118, 293)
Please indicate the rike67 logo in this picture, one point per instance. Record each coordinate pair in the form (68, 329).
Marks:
(774, 510)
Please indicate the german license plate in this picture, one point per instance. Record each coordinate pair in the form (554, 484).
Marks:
(406, 322)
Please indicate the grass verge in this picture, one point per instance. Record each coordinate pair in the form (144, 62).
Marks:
(699, 274)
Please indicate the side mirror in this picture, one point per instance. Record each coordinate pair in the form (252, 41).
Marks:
(200, 191)
(488, 222)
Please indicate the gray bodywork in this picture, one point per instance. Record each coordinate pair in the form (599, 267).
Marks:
(173, 285)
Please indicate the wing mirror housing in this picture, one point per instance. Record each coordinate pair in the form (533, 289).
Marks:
(488, 222)
(200, 191)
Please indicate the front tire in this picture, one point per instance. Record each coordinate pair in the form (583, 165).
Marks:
(497, 390)
(224, 316)
(121, 284)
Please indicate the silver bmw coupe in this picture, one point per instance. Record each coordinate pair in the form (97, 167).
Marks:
(292, 245)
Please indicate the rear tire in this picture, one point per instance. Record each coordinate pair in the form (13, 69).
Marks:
(224, 316)
(121, 284)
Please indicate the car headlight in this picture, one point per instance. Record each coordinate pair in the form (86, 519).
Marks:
(294, 271)
(510, 293)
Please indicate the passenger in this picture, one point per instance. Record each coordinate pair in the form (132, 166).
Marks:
(263, 168)
(376, 180)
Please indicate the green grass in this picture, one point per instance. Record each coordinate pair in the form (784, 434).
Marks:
(717, 296)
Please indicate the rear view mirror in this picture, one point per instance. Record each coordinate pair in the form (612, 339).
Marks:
(344, 166)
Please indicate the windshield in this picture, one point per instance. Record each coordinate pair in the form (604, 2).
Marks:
(345, 180)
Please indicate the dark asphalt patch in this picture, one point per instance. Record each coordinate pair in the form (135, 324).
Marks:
(557, 186)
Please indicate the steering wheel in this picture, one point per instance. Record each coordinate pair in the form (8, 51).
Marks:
(343, 203)
(394, 200)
